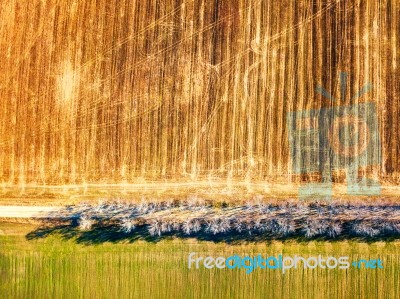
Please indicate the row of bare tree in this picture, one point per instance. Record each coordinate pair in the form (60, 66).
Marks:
(270, 219)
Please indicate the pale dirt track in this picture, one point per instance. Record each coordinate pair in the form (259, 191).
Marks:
(229, 191)
(26, 211)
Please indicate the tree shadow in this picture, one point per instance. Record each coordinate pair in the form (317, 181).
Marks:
(112, 234)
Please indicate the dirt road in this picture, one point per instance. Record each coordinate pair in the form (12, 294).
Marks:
(26, 211)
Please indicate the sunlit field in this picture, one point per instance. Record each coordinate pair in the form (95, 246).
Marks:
(57, 268)
(120, 91)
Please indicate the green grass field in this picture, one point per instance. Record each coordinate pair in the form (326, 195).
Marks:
(57, 268)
